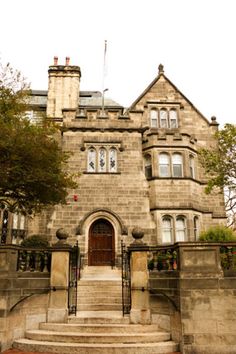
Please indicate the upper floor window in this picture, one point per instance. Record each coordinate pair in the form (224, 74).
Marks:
(154, 118)
(148, 166)
(191, 166)
(173, 118)
(196, 227)
(164, 118)
(102, 159)
(173, 228)
(180, 229)
(167, 229)
(91, 160)
(164, 165)
(177, 165)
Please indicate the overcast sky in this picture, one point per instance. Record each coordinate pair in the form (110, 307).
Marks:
(195, 40)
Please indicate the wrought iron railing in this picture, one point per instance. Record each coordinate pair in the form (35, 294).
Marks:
(126, 279)
(74, 273)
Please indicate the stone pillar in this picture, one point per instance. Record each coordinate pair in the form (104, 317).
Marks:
(140, 309)
(58, 300)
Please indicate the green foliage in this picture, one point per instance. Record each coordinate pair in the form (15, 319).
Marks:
(35, 241)
(218, 234)
(220, 162)
(33, 171)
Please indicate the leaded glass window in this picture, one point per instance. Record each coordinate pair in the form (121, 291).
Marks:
(91, 160)
(112, 160)
(164, 165)
(166, 229)
(102, 160)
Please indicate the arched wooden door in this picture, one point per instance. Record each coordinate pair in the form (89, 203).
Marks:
(101, 243)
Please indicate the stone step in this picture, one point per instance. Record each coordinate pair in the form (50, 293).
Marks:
(99, 307)
(99, 292)
(99, 317)
(76, 337)
(98, 328)
(99, 300)
(96, 348)
(99, 284)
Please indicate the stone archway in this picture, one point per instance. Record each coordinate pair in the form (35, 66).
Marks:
(101, 245)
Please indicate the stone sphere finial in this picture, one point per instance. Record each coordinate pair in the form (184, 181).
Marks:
(138, 234)
(62, 235)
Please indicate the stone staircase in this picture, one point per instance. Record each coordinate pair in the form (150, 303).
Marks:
(98, 327)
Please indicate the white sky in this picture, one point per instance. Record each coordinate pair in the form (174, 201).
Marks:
(195, 40)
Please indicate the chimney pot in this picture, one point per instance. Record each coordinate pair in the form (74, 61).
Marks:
(67, 60)
(55, 60)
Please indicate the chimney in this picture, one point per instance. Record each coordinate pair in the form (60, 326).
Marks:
(67, 61)
(55, 60)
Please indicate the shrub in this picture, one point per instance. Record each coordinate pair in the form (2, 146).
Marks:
(218, 234)
(35, 241)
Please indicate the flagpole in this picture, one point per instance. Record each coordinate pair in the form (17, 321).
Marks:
(103, 76)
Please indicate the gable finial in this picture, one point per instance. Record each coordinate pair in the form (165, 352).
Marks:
(161, 69)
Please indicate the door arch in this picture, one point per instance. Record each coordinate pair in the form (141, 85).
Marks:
(101, 245)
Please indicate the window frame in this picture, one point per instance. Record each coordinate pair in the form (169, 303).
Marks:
(98, 149)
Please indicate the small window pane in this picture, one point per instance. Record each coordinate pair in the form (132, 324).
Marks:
(91, 160)
(164, 165)
(112, 160)
(196, 227)
(166, 229)
(15, 221)
(22, 222)
(180, 229)
(102, 160)
(191, 165)
(154, 116)
(148, 166)
(173, 118)
(177, 165)
(163, 119)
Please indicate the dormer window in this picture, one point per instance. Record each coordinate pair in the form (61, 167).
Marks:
(163, 118)
(154, 118)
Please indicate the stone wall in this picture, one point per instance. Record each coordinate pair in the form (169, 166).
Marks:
(203, 300)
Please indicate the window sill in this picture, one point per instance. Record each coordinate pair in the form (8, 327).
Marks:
(101, 173)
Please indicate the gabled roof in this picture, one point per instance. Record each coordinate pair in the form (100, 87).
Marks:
(161, 74)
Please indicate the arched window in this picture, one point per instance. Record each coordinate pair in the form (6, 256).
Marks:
(191, 166)
(180, 229)
(148, 166)
(196, 227)
(112, 160)
(154, 118)
(166, 229)
(91, 160)
(173, 119)
(164, 165)
(163, 119)
(177, 165)
(102, 160)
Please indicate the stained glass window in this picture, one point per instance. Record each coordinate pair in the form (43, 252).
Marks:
(91, 160)
(102, 160)
(112, 160)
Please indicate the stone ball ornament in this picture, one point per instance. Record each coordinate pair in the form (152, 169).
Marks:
(62, 234)
(138, 234)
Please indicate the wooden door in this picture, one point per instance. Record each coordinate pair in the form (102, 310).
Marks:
(101, 243)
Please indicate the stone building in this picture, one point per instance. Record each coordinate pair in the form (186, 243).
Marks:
(138, 167)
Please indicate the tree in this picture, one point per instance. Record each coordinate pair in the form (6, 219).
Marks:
(220, 164)
(33, 171)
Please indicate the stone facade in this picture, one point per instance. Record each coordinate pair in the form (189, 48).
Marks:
(138, 167)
